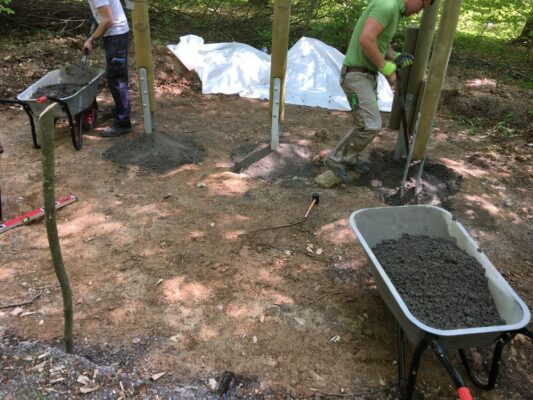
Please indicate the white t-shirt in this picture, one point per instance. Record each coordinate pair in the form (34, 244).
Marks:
(120, 23)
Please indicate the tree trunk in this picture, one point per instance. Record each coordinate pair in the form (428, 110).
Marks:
(527, 31)
(46, 127)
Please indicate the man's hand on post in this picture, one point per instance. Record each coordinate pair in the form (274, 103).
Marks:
(403, 60)
(388, 72)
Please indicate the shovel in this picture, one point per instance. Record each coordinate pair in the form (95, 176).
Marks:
(79, 70)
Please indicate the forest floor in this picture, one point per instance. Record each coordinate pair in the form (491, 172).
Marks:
(179, 270)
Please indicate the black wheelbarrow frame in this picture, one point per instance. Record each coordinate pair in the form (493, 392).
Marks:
(80, 106)
(372, 226)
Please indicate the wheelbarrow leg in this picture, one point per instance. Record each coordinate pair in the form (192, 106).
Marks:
(495, 364)
(32, 125)
(401, 360)
(413, 370)
(77, 141)
(462, 391)
(27, 109)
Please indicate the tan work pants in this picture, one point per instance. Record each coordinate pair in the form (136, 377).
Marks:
(366, 116)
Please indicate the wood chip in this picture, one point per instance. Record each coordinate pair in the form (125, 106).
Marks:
(155, 377)
(84, 380)
(57, 380)
(89, 389)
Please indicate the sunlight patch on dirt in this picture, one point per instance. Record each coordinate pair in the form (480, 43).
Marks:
(226, 184)
(464, 168)
(337, 232)
(6, 273)
(193, 235)
(276, 297)
(177, 290)
(484, 203)
(232, 235)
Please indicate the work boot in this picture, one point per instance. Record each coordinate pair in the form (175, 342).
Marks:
(117, 129)
(338, 169)
(360, 167)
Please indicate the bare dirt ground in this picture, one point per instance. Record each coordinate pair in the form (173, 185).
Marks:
(174, 272)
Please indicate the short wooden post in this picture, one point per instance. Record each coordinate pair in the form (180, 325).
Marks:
(280, 46)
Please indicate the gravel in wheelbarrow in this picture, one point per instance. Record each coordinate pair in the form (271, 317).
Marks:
(442, 285)
(58, 90)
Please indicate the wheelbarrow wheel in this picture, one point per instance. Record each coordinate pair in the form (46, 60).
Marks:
(88, 117)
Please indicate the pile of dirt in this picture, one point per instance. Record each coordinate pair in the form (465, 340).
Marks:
(438, 183)
(442, 285)
(59, 90)
(158, 152)
(289, 161)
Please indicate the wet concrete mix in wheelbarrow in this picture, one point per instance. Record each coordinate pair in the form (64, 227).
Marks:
(442, 285)
(59, 90)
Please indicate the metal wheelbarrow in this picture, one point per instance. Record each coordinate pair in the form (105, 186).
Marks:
(80, 107)
(374, 225)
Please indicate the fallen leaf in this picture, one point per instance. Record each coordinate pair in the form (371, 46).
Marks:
(25, 314)
(175, 338)
(155, 377)
(88, 389)
(141, 389)
(212, 384)
(84, 380)
(16, 311)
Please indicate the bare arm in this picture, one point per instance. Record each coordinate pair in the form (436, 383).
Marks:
(103, 26)
(369, 44)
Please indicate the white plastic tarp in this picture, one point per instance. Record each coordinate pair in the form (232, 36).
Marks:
(313, 70)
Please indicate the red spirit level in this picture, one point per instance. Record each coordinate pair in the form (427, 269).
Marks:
(35, 214)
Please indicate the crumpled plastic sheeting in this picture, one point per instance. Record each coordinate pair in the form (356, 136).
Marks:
(313, 70)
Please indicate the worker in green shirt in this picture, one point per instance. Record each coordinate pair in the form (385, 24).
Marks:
(369, 51)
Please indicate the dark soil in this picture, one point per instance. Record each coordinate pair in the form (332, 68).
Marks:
(442, 285)
(289, 161)
(52, 374)
(80, 71)
(438, 183)
(158, 152)
(60, 90)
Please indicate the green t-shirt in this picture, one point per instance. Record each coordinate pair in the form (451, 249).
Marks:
(388, 14)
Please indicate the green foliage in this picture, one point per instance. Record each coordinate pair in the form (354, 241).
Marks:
(470, 126)
(495, 19)
(503, 128)
(4, 9)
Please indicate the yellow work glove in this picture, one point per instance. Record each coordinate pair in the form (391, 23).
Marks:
(388, 69)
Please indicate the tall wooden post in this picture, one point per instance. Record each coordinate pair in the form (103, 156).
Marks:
(143, 54)
(422, 52)
(409, 44)
(280, 47)
(46, 127)
(437, 71)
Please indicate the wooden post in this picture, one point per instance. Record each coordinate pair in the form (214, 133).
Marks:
(437, 71)
(46, 127)
(143, 49)
(422, 51)
(280, 47)
(411, 38)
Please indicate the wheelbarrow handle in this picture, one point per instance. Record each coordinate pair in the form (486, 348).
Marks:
(464, 393)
